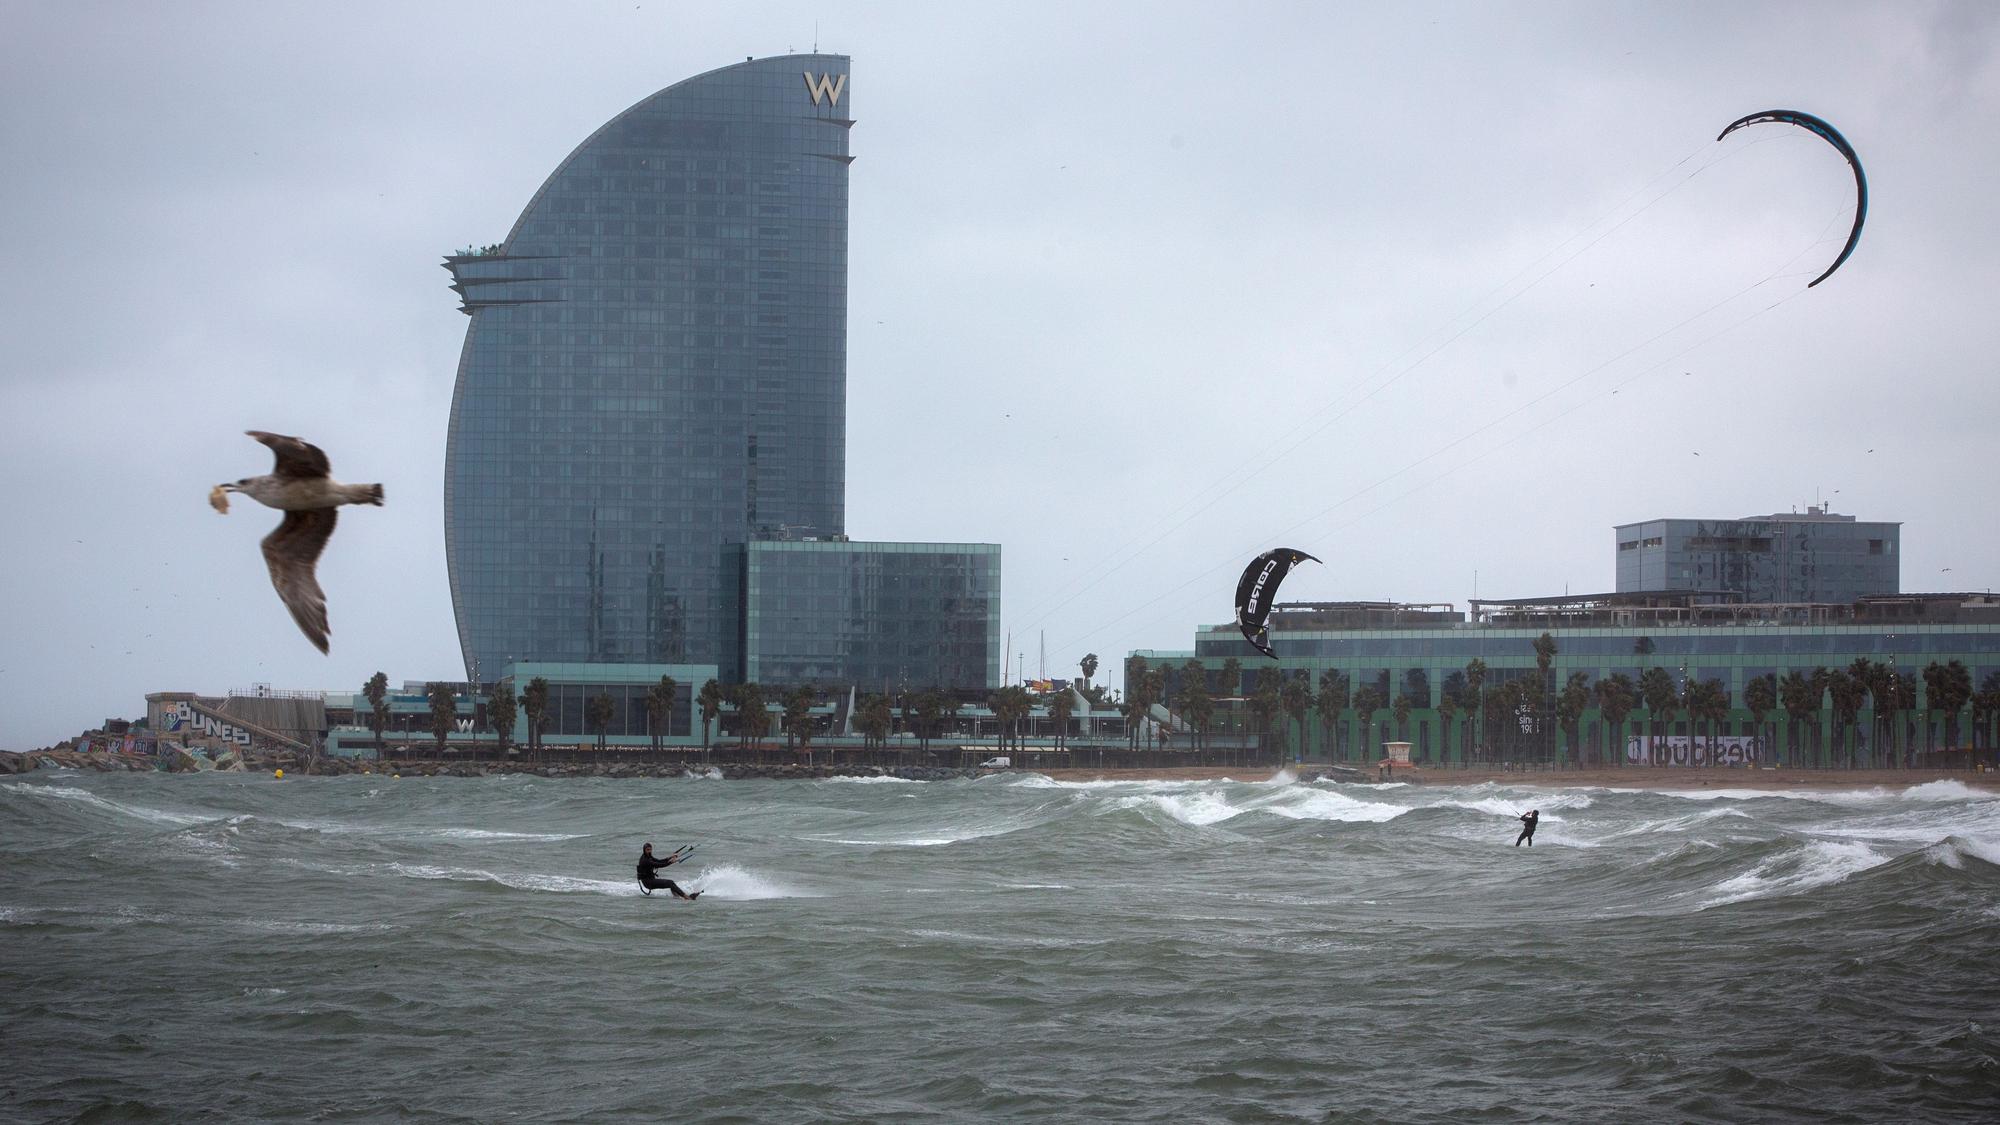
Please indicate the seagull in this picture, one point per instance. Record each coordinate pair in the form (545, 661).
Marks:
(300, 485)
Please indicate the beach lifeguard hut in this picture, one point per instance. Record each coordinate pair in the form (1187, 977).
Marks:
(1393, 754)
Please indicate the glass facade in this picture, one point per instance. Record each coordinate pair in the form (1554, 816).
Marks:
(1786, 558)
(655, 371)
(884, 616)
(1428, 665)
(572, 686)
(1732, 654)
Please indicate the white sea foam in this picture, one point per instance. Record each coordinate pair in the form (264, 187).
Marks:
(1511, 808)
(1321, 804)
(1199, 808)
(1947, 790)
(1681, 823)
(927, 840)
(728, 881)
(1813, 864)
(1930, 791)
(1158, 785)
(884, 779)
(86, 797)
(1953, 850)
(282, 926)
(710, 773)
(963, 938)
(519, 880)
(491, 834)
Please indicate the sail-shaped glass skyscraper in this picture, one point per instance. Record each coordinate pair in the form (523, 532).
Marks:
(655, 375)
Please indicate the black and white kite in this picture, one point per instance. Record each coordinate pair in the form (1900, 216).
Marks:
(1258, 588)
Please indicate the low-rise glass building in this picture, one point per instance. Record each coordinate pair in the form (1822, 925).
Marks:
(884, 616)
(1427, 657)
(1810, 556)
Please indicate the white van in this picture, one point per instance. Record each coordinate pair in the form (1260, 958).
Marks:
(997, 764)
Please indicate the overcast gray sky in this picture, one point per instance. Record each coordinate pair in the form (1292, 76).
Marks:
(1136, 290)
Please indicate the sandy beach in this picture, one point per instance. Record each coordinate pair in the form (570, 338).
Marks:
(1778, 780)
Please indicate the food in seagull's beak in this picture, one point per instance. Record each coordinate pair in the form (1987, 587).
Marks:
(218, 498)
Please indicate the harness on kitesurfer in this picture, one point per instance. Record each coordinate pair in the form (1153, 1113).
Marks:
(647, 865)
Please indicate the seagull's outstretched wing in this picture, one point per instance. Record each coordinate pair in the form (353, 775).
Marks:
(296, 458)
(290, 552)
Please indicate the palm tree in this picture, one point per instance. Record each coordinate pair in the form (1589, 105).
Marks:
(1865, 676)
(1367, 701)
(1617, 695)
(753, 717)
(1400, 712)
(1691, 702)
(500, 712)
(709, 701)
(1156, 692)
(1901, 696)
(1847, 695)
(798, 717)
(444, 710)
(598, 712)
(660, 709)
(1136, 702)
(929, 709)
(1296, 698)
(1232, 677)
(1265, 704)
(1010, 705)
(1545, 659)
(1570, 706)
(1760, 696)
(656, 710)
(1799, 695)
(376, 691)
(1333, 698)
(1088, 666)
(1193, 701)
(1656, 687)
(535, 705)
(1713, 706)
(1475, 686)
(1060, 704)
(1985, 705)
(1947, 688)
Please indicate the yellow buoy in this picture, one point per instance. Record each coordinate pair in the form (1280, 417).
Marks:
(279, 774)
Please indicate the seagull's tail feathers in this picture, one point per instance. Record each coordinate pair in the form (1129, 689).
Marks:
(374, 495)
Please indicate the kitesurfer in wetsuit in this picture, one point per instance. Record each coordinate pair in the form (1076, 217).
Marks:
(648, 864)
(1528, 821)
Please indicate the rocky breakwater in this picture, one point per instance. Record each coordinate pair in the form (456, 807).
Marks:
(102, 761)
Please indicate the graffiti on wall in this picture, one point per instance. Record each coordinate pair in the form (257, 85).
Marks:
(182, 716)
(1681, 750)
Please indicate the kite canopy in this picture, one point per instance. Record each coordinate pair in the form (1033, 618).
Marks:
(1258, 588)
(1832, 136)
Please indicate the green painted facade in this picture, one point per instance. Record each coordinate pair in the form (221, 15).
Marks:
(1422, 661)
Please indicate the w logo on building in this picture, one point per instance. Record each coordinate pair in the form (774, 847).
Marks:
(828, 86)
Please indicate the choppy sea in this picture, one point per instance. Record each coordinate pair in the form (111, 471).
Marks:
(232, 948)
